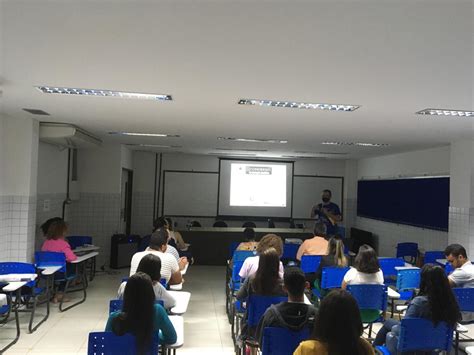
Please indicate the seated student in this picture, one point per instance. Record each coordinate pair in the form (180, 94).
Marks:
(250, 264)
(337, 329)
(463, 274)
(45, 226)
(56, 242)
(435, 301)
(151, 265)
(170, 267)
(141, 316)
(335, 257)
(176, 236)
(266, 282)
(250, 242)
(161, 223)
(295, 314)
(366, 271)
(317, 245)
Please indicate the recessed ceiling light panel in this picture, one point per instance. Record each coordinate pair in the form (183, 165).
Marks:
(322, 153)
(242, 149)
(360, 144)
(302, 105)
(35, 111)
(445, 112)
(253, 140)
(154, 145)
(103, 93)
(145, 134)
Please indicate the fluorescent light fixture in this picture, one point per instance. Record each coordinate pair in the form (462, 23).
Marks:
(445, 112)
(303, 105)
(242, 149)
(145, 134)
(233, 154)
(253, 140)
(154, 145)
(103, 93)
(321, 153)
(360, 144)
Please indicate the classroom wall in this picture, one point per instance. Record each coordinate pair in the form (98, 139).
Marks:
(144, 170)
(418, 163)
(52, 185)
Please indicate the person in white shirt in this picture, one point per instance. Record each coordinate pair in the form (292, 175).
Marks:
(151, 265)
(366, 271)
(463, 274)
(250, 264)
(170, 267)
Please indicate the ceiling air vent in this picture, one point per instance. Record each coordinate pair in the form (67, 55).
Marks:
(35, 111)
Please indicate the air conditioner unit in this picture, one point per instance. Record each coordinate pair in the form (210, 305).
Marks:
(67, 135)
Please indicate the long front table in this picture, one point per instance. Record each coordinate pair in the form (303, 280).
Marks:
(210, 246)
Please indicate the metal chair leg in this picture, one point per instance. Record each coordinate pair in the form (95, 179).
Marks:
(17, 322)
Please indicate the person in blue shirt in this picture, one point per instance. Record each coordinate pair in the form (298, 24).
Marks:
(140, 315)
(327, 212)
(435, 301)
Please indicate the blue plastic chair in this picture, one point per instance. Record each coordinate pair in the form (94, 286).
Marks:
(419, 334)
(4, 315)
(28, 294)
(432, 256)
(387, 265)
(331, 278)
(76, 241)
(310, 263)
(144, 243)
(257, 305)
(282, 341)
(408, 281)
(465, 298)
(371, 298)
(48, 258)
(107, 343)
(289, 251)
(408, 250)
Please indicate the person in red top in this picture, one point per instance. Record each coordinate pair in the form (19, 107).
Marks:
(56, 242)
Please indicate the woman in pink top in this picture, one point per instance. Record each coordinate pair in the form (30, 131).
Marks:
(56, 242)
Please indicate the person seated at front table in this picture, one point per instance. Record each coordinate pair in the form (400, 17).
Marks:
(294, 315)
(170, 267)
(435, 301)
(250, 242)
(151, 265)
(250, 265)
(338, 328)
(56, 242)
(335, 257)
(265, 282)
(141, 316)
(317, 245)
(45, 226)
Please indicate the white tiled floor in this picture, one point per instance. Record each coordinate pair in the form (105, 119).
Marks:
(206, 329)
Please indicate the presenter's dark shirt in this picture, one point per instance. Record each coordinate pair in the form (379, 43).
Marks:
(319, 216)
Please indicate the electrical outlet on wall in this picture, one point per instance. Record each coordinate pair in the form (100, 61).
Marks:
(46, 205)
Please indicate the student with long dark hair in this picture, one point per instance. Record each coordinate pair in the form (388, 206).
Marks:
(435, 301)
(265, 282)
(367, 269)
(140, 315)
(151, 265)
(337, 329)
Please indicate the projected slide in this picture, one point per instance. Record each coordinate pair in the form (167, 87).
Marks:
(258, 185)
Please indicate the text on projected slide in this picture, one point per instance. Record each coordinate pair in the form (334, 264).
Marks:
(258, 185)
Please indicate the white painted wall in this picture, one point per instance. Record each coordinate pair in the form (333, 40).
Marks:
(434, 161)
(423, 162)
(144, 171)
(99, 169)
(52, 169)
(126, 158)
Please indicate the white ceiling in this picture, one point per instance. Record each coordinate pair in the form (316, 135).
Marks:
(391, 57)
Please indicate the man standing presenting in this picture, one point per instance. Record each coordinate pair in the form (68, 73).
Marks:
(327, 212)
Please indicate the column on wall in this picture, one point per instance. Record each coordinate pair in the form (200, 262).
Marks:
(461, 206)
(18, 166)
